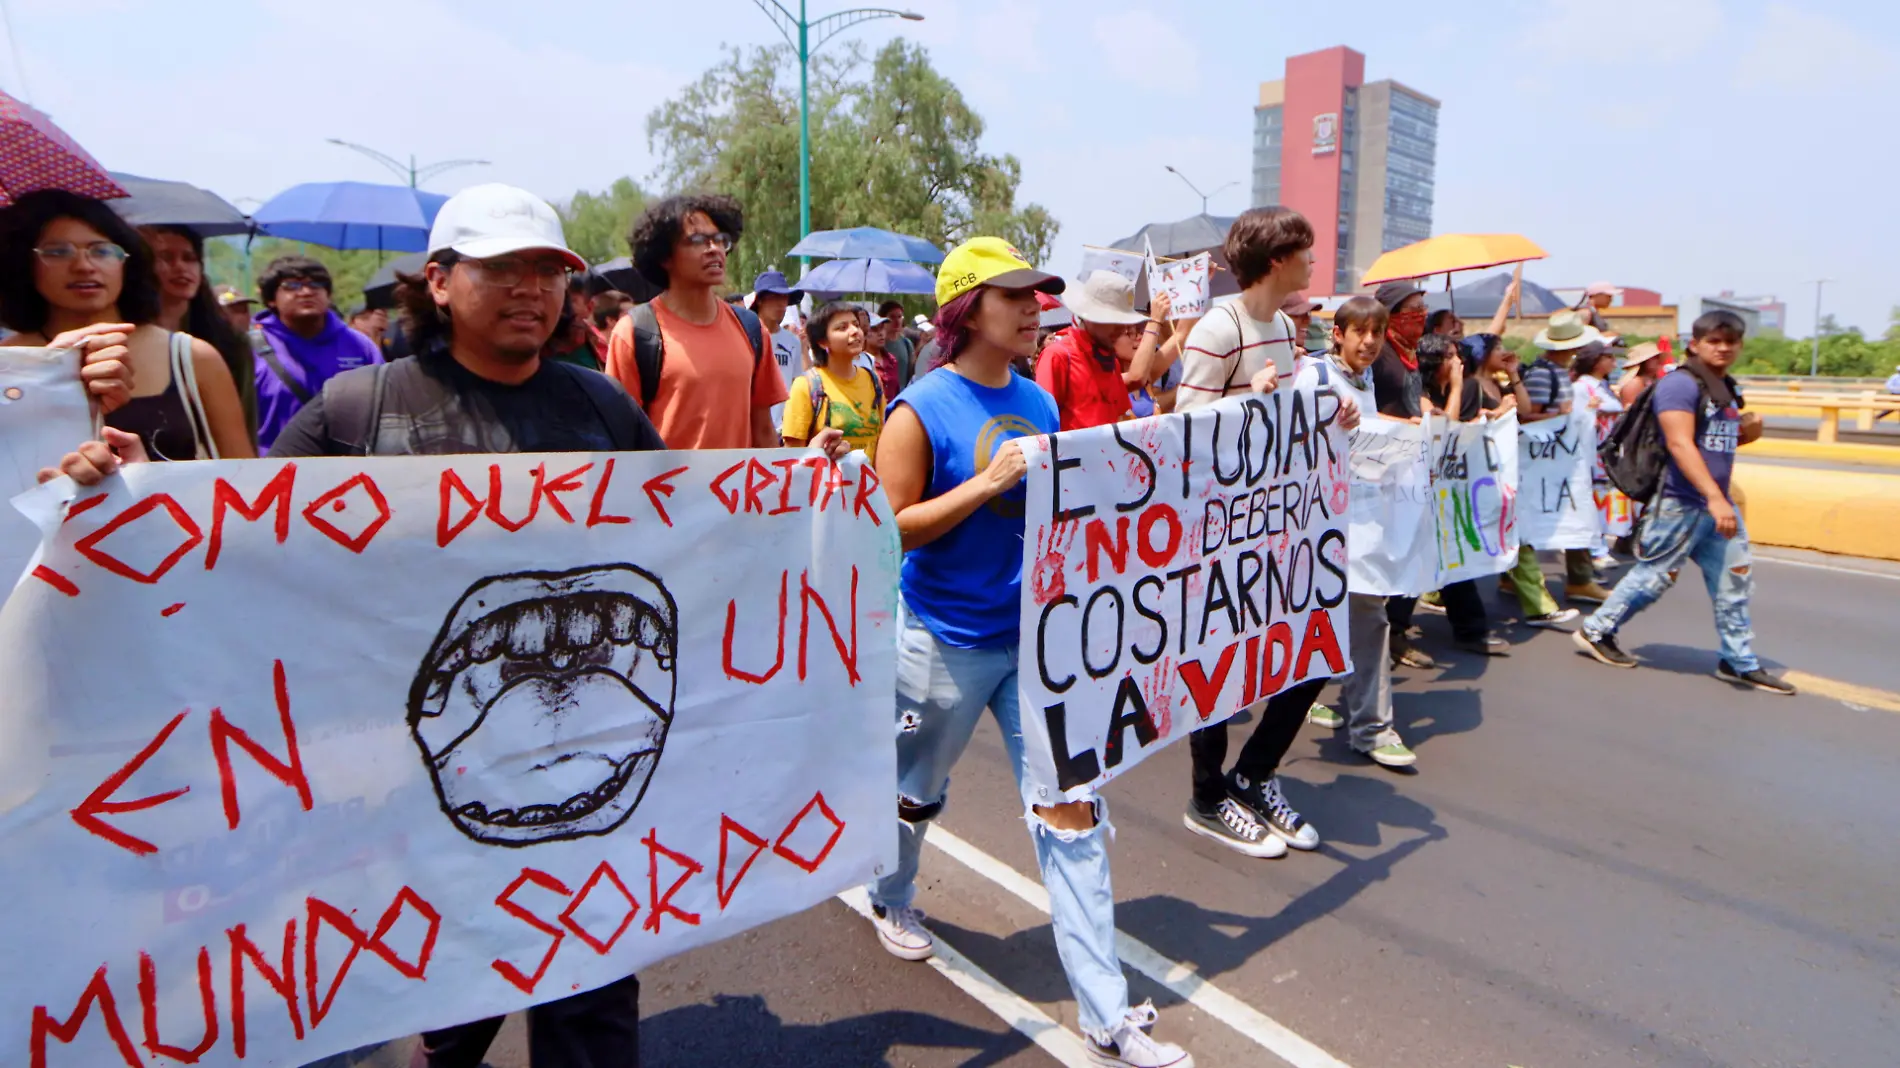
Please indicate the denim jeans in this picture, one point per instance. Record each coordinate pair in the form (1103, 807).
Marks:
(1673, 533)
(941, 693)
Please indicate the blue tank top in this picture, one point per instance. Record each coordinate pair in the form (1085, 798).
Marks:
(966, 586)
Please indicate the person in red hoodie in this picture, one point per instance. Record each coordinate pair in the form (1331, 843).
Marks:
(1081, 365)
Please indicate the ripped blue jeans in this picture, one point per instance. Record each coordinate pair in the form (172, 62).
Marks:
(1674, 533)
(941, 693)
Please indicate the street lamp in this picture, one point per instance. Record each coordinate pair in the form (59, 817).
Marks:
(799, 32)
(1197, 190)
(1814, 361)
(410, 171)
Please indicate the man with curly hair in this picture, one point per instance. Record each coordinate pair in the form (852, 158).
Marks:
(697, 364)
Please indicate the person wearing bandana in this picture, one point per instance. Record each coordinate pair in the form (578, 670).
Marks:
(1399, 391)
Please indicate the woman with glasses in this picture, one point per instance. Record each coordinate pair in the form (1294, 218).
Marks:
(186, 302)
(67, 263)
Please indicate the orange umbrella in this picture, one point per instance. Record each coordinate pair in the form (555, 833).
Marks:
(1451, 252)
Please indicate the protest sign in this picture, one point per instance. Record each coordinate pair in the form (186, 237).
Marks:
(1555, 507)
(44, 414)
(1392, 518)
(1474, 497)
(1175, 570)
(299, 756)
(1126, 264)
(1186, 284)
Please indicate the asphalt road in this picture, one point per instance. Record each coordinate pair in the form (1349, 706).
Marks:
(1588, 867)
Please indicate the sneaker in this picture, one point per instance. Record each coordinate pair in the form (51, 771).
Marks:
(1392, 755)
(1233, 826)
(1436, 608)
(1489, 645)
(1604, 649)
(1128, 1046)
(1603, 562)
(1323, 716)
(1269, 806)
(1594, 593)
(1757, 678)
(903, 932)
(1553, 620)
(1405, 654)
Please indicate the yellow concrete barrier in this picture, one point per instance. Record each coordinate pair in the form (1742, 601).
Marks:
(1851, 513)
(1824, 452)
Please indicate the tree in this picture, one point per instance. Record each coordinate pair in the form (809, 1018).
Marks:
(226, 264)
(597, 223)
(1893, 324)
(895, 147)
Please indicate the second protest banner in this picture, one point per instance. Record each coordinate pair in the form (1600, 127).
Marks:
(1474, 489)
(1176, 570)
(1555, 505)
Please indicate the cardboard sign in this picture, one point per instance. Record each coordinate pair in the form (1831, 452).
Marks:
(299, 756)
(1126, 264)
(44, 414)
(1474, 497)
(1186, 284)
(1392, 513)
(1176, 570)
(1555, 504)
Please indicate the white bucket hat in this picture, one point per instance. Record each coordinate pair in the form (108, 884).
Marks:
(1104, 297)
(1566, 331)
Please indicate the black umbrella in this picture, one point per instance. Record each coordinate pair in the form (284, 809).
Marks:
(380, 290)
(1187, 237)
(1476, 300)
(154, 202)
(621, 274)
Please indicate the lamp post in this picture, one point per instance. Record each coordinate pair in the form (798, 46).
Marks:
(800, 32)
(415, 175)
(1197, 189)
(1814, 361)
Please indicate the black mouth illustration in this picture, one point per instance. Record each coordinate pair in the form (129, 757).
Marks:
(543, 705)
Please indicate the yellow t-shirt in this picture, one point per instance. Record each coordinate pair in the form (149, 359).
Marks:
(853, 409)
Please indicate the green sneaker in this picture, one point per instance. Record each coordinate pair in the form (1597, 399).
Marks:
(1321, 716)
(1394, 755)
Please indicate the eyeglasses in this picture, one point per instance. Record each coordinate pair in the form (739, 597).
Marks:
(299, 285)
(101, 253)
(699, 241)
(549, 275)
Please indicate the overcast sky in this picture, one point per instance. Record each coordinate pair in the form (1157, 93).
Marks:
(1682, 145)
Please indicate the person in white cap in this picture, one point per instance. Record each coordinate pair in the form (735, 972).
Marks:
(1596, 297)
(1080, 365)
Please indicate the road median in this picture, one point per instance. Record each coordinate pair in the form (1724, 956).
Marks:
(1847, 513)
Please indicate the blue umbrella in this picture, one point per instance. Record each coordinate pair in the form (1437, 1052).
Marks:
(868, 276)
(153, 202)
(866, 241)
(388, 218)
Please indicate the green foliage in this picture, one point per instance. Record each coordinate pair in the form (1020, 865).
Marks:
(597, 223)
(895, 146)
(227, 265)
(1893, 324)
(1847, 354)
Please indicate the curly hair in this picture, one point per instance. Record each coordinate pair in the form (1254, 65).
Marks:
(659, 227)
(22, 306)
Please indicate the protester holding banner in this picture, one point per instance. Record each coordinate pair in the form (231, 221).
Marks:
(67, 263)
(1462, 400)
(1641, 368)
(186, 303)
(1081, 364)
(1400, 391)
(1548, 387)
(836, 392)
(1495, 369)
(1698, 407)
(953, 472)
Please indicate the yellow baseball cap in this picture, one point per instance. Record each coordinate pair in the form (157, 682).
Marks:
(989, 261)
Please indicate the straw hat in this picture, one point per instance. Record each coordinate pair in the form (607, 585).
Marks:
(1642, 354)
(1567, 330)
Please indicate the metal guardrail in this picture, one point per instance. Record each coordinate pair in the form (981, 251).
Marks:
(1809, 383)
(1867, 404)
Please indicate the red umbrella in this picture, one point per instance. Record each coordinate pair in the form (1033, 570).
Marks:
(1047, 302)
(35, 154)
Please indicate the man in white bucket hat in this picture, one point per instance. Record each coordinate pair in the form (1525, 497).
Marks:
(1080, 365)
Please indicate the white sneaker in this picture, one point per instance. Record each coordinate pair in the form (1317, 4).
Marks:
(903, 932)
(1128, 1046)
(1233, 826)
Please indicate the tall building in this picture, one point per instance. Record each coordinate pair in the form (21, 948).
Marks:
(1356, 158)
(1760, 313)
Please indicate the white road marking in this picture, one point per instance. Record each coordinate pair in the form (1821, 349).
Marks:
(1034, 1024)
(1257, 1026)
(1759, 558)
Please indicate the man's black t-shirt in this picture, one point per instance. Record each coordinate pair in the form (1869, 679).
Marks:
(1395, 387)
(433, 406)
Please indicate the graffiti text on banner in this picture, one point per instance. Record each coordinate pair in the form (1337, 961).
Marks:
(1176, 570)
(1556, 508)
(1474, 489)
(1392, 518)
(378, 746)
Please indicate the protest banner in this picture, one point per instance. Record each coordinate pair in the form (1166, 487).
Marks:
(1555, 506)
(299, 756)
(1392, 518)
(1614, 510)
(1126, 264)
(44, 414)
(1474, 496)
(1175, 570)
(1186, 284)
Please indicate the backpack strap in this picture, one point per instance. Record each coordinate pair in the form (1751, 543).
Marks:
(820, 401)
(260, 344)
(609, 402)
(353, 407)
(649, 352)
(754, 332)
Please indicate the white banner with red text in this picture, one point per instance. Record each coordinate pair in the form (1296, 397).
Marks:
(44, 414)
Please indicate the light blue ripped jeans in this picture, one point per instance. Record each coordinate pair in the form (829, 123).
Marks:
(1674, 533)
(941, 693)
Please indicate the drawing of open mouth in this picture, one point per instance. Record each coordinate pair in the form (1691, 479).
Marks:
(543, 705)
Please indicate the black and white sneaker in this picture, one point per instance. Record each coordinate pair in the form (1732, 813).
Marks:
(1604, 649)
(1269, 806)
(1757, 678)
(1232, 825)
(1552, 620)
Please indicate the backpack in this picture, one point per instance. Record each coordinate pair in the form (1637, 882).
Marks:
(1634, 454)
(821, 400)
(649, 347)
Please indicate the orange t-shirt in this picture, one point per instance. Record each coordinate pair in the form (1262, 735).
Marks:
(710, 382)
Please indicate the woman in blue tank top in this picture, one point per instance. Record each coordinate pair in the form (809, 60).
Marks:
(953, 473)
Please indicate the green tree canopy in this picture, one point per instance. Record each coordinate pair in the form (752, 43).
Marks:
(893, 145)
(226, 264)
(597, 223)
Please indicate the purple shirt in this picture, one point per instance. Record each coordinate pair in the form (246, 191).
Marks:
(309, 361)
(1717, 435)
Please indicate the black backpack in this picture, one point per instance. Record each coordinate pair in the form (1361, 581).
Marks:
(1634, 454)
(649, 348)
